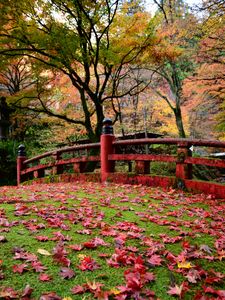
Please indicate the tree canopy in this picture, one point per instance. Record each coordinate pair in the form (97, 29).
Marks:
(80, 61)
(83, 40)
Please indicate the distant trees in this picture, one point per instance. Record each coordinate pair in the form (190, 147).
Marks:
(171, 61)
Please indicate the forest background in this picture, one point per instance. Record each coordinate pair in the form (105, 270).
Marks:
(65, 65)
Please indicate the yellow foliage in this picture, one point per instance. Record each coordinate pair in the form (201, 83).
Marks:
(185, 265)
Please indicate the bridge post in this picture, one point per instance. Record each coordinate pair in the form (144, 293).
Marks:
(39, 173)
(106, 142)
(21, 157)
(57, 169)
(183, 170)
(142, 167)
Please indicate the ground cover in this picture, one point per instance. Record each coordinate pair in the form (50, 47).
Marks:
(92, 241)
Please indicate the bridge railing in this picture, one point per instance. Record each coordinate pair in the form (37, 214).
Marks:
(111, 151)
(54, 162)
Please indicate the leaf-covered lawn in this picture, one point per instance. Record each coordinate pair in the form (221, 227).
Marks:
(92, 241)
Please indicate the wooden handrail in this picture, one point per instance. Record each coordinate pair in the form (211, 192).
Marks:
(62, 150)
(171, 141)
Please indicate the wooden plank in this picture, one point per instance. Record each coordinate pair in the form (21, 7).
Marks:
(219, 163)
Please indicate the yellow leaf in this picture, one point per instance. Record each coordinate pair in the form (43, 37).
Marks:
(67, 298)
(184, 265)
(115, 291)
(81, 256)
(43, 252)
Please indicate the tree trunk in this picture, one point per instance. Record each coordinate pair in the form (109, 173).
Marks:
(179, 122)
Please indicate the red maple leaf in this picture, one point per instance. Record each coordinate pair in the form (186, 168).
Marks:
(154, 260)
(94, 243)
(148, 277)
(193, 275)
(121, 257)
(59, 255)
(104, 255)
(211, 290)
(42, 238)
(26, 293)
(78, 289)
(50, 296)
(66, 273)
(60, 237)
(178, 290)
(23, 255)
(132, 249)
(88, 264)
(76, 247)
(109, 232)
(44, 277)
(37, 266)
(90, 245)
(20, 268)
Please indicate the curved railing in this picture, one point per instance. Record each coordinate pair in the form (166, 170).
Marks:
(111, 151)
(36, 167)
(184, 155)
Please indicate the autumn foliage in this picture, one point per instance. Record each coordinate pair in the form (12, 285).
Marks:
(98, 242)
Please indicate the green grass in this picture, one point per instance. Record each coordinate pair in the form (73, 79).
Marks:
(156, 218)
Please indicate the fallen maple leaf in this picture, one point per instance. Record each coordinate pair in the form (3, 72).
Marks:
(102, 295)
(37, 266)
(184, 265)
(78, 289)
(88, 264)
(94, 286)
(176, 290)
(44, 277)
(23, 255)
(76, 247)
(155, 260)
(8, 293)
(19, 268)
(42, 238)
(193, 276)
(211, 290)
(50, 296)
(59, 254)
(66, 273)
(26, 293)
(84, 231)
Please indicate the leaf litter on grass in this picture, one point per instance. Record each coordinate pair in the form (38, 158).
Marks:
(107, 243)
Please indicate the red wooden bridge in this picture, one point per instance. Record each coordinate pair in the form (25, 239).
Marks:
(56, 165)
